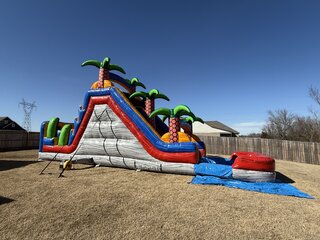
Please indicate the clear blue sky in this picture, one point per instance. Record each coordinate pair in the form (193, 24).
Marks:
(230, 61)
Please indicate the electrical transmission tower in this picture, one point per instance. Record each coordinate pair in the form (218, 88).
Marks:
(27, 108)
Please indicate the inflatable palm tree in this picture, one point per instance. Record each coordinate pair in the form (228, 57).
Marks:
(191, 119)
(104, 68)
(134, 82)
(174, 119)
(149, 98)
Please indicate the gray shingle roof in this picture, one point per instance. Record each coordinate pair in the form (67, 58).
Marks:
(221, 126)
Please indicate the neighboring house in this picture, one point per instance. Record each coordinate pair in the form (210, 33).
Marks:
(214, 128)
(7, 124)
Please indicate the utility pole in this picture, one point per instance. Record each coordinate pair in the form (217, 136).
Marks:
(27, 108)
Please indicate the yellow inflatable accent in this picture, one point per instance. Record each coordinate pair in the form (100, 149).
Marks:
(45, 129)
(183, 137)
(166, 137)
(67, 165)
(106, 84)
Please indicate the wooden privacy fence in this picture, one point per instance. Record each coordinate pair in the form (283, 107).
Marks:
(18, 140)
(305, 152)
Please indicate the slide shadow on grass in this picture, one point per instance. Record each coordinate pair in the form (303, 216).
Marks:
(283, 178)
(11, 164)
(4, 200)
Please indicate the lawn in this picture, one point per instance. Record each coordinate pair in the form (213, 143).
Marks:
(114, 203)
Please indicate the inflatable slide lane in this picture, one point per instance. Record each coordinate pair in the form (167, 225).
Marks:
(110, 131)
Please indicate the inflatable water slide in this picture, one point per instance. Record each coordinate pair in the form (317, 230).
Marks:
(113, 128)
(118, 126)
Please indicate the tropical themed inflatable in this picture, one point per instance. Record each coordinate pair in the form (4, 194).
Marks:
(118, 126)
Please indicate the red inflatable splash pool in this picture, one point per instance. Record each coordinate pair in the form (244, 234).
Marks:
(253, 161)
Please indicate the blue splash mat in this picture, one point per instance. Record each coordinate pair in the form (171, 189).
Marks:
(264, 187)
(218, 171)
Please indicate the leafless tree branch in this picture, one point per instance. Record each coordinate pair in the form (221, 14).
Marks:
(314, 93)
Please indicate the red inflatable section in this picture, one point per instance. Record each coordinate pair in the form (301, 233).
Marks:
(253, 161)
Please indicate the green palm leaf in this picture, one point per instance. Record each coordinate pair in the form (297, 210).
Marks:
(144, 95)
(105, 62)
(184, 113)
(188, 119)
(181, 110)
(199, 120)
(140, 84)
(192, 118)
(117, 68)
(152, 93)
(164, 118)
(161, 95)
(135, 82)
(161, 111)
(91, 63)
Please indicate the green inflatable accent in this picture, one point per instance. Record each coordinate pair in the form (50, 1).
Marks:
(52, 128)
(105, 64)
(64, 135)
(180, 110)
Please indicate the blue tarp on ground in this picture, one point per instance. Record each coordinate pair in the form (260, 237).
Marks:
(218, 171)
(214, 166)
(265, 187)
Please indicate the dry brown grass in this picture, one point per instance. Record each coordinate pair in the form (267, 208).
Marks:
(111, 203)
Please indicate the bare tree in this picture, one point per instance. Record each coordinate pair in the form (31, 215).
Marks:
(254, 135)
(284, 125)
(306, 129)
(314, 93)
(279, 124)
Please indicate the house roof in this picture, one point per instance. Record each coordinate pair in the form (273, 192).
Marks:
(221, 126)
(9, 125)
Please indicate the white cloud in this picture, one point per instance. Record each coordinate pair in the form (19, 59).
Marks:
(248, 127)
